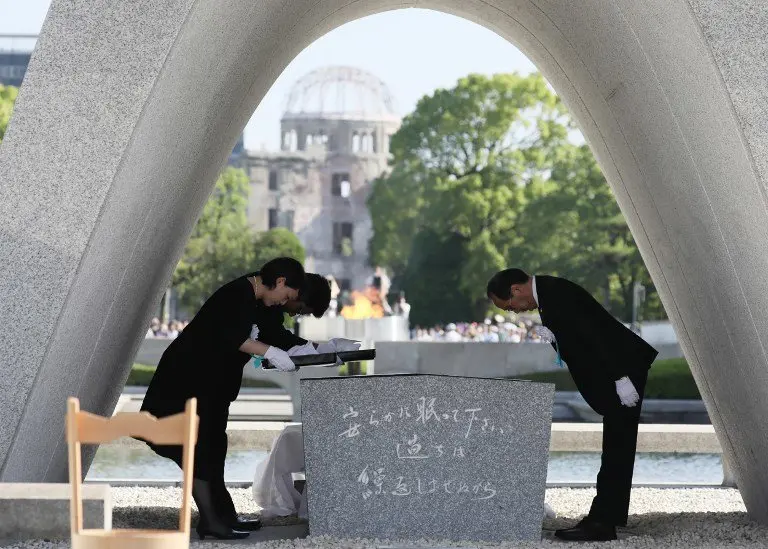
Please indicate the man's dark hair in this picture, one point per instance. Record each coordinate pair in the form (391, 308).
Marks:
(316, 294)
(286, 267)
(500, 284)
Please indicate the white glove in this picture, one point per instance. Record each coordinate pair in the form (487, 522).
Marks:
(627, 392)
(279, 359)
(306, 349)
(338, 345)
(545, 334)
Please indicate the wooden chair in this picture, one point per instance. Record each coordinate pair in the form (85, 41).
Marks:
(83, 427)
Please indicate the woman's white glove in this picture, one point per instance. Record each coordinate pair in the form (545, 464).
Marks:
(627, 392)
(279, 359)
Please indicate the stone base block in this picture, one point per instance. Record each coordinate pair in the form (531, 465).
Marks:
(41, 511)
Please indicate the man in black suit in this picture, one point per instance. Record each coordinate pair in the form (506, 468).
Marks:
(609, 364)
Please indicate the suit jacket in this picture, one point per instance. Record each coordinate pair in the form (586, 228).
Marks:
(597, 348)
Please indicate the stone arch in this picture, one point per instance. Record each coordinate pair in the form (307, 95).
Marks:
(677, 126)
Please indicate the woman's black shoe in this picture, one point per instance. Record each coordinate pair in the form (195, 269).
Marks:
(588, 530)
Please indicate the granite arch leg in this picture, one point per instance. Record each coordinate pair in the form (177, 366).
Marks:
(129, 110)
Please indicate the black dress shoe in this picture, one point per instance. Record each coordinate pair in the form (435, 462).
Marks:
(247, 525)
(203, 532)
(588, 530)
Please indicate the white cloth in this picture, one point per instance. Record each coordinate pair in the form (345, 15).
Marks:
(273, 487)
(548, 511)
(254, 332)
(307, 349)
(338, 345)
(533, 288)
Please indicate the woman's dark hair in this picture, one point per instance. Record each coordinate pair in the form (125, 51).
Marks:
(285, 267)
(500, 284)
(316, 294)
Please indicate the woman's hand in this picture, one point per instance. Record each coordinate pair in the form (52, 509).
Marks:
(279, 359)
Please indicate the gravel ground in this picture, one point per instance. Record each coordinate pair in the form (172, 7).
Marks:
(666, 517)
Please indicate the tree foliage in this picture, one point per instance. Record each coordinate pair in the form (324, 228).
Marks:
(223, 247)
(486, 173)
(7, 99)
(577, 230)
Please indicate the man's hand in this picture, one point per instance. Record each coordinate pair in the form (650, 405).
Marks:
(279, 359)
(627, 392)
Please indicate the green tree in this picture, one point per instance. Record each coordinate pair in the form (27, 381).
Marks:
(221, 245)
(431, 276)
(395, 205)
(274, 243)
(463, 163)
(7, 99)
(576, 229)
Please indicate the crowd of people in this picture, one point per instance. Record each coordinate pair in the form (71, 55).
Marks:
(494, 330)
(170, 330)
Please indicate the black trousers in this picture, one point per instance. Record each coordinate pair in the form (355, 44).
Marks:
(210, 452)
(614, 480)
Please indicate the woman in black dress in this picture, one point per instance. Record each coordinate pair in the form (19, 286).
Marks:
(206, 362)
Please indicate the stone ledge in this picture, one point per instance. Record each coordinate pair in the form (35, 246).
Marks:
(41, 510)
(565, 437)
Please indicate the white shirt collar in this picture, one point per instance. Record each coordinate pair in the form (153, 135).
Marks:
(533, 286)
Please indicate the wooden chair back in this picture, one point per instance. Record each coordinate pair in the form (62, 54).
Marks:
(86, 428)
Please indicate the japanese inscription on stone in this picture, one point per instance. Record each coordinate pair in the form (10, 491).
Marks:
(397, 457)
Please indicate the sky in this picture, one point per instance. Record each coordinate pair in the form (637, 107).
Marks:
(430, 50)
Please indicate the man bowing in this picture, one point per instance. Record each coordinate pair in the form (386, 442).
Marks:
(609, 364)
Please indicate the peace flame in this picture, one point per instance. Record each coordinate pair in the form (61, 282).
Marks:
(366, 304)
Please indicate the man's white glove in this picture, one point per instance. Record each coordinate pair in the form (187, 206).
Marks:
(627, 392)
(279, 359)
(306, 349)
(545, 334)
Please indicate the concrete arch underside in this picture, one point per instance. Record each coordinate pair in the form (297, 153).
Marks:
(129, 110)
